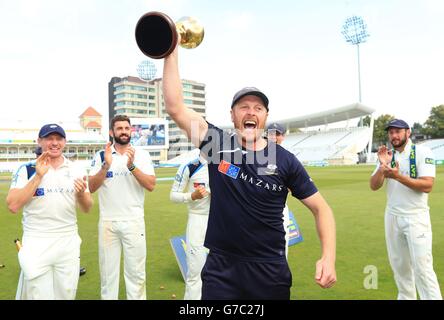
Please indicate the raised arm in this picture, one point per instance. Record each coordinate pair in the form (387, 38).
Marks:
(146, 180)
(384, 157)
(178, 193)
(187, 119)
(18, 197)
(83, 196)
(96, 180)
(377, 179)
(421, 184)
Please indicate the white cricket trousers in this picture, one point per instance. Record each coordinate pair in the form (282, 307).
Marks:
(196, 255)
(114, 236)
(49, 267)
(409, 246)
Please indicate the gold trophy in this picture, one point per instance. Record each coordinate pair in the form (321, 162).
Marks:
(157, 34)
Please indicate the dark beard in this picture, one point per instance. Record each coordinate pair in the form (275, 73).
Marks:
(400, 144)
(120, 141)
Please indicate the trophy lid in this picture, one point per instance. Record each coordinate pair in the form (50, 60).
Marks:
(156, 35)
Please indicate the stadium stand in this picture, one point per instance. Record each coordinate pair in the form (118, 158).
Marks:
(18, 140)
(183, 158)
(337, 146)
(437, 146)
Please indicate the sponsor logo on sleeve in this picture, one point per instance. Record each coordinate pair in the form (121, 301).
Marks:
(429, 161)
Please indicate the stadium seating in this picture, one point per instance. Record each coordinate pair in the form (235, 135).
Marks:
(183, 158)
(437, 146)
(334, 146)
(319, 148)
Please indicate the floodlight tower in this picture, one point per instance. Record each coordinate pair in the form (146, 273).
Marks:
(355, 33)
(147, 71)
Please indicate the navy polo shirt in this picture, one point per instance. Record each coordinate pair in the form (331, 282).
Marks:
(248, 194)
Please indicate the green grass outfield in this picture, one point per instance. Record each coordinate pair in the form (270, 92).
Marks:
(360, 239)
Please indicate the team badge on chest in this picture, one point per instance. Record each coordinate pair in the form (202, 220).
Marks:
(228, 169)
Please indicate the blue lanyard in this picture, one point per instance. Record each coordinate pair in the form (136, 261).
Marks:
(412, 158)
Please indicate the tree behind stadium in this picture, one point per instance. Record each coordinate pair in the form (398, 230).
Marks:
(379, 133)
(434, 125)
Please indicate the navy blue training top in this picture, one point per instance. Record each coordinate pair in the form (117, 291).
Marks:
(248, 195)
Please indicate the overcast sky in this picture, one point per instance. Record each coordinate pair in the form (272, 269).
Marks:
(57, 56)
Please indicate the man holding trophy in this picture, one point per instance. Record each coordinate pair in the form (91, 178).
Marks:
(249, 179)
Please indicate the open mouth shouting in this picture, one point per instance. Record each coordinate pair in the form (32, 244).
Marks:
(250, 124)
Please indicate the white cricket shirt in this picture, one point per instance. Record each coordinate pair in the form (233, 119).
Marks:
(402, 200)
(184, 185)
(52, 209)
(121, 197)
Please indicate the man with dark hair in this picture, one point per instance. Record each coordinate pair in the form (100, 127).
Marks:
(249, 180)
(48, 190)
(121, 174)
(409, 170)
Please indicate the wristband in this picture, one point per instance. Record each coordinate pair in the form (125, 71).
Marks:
(132, 167)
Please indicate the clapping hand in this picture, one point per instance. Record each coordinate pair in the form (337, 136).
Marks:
(108, 157)
(199, 193)
(42, 164)
(392, 173)
(80, 185)
(385, 155)
(130, 152)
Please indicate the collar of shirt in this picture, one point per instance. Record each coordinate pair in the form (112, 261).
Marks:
(406, 150)
(64, 164)
(114, 151)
